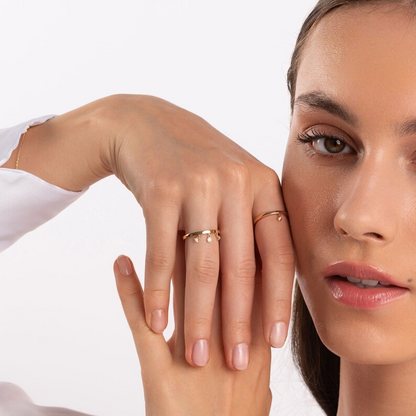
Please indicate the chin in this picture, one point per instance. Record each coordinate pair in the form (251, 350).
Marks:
(362, 347)
(382, 336)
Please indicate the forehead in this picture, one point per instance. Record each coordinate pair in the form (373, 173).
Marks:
(364, 56)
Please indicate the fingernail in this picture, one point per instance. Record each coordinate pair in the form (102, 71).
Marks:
(200, 353)
(278, 335)
(124, 265)
(240, 356)
(158, 321)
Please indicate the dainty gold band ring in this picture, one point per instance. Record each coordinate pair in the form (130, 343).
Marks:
(197, 235)
(267, 214)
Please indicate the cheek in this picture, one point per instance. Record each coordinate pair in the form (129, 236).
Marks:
(311, 198)
(310, 204)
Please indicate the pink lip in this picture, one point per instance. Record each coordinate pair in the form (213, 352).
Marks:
(360, 272)
(351, 295)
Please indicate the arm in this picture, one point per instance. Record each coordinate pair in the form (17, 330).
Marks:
(186, 176)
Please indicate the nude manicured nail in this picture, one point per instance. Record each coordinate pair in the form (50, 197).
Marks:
(124, 265)
(278, 334)
(240, 356)
(200, 353)
(158, 321)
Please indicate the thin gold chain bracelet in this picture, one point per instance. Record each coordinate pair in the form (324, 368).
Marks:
(20, 148)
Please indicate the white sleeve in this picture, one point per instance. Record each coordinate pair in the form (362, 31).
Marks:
(26, 201)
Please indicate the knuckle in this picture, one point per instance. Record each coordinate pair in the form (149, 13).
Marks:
(261, 356)
(241, 328)
(245, 271)
(270, 177)
(205, 178)
(285, 257)
(239, 175)
(199, 325)
(129, 292)
(157, 261)
(281, 307)
(206, 271)
(138, 325)
(155, 296)
(204, 182)
(161, 188)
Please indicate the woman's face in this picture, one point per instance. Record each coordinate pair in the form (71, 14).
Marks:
(349, 182)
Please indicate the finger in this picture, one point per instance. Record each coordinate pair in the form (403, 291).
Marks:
(152, 349)
(275, 247)
(260, 349)
(216, 343)
(178, 281)
(237, 277)
(202, 268)
(257, 313)
(160, 258)
(178, 284)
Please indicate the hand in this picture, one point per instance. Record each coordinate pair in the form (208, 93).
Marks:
(188, 176)
(172, 387)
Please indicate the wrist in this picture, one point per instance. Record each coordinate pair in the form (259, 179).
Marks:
(66, 150)
(127, 121)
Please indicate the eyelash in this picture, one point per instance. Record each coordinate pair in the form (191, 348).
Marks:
(312, 135)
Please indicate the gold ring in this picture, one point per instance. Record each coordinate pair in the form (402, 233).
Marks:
(198, 234)
(267, 214)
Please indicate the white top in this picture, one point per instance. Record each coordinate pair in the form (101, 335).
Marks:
(26, 201)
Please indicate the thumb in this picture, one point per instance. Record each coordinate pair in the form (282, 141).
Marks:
(152, 349)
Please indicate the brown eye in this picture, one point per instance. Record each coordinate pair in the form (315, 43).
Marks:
(331, 145)
(334, 145)
(324, 143)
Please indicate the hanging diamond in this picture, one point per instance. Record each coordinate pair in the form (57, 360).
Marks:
(209, 238)
(196, 238)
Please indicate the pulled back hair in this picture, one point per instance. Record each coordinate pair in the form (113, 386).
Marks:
(319, 367)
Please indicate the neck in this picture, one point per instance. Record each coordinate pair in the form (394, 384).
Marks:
(381, 390)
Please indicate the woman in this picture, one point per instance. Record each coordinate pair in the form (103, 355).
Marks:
(348, 167)
(349, 187)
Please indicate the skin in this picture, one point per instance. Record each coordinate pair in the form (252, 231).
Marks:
(172, 387)
(359, 205)
(186, 176)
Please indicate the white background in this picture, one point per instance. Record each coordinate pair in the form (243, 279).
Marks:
(64, 338)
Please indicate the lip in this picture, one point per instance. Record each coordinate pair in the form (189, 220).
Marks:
(360, 272)
(355, 297)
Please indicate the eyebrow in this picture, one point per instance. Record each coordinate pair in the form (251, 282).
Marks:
(320, 100)
(407, 128)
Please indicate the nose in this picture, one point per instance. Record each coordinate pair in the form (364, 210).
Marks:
(369, 203)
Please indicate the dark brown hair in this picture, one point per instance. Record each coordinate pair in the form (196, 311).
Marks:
(318, 366)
